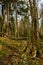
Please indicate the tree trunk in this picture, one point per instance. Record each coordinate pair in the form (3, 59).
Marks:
(34, 15)
(16, 25)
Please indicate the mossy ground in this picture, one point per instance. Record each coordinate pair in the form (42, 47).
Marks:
(12, 52)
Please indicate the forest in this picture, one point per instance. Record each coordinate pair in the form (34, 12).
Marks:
(21, 32)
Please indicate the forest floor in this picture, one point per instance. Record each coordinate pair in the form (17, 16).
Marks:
(8, 47)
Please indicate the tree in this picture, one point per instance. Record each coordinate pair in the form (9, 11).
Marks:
(41, 20)
(1, 24)
(12, 27)
(24, 27)
(34, 16)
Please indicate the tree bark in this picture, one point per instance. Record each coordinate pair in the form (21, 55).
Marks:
(34, 15)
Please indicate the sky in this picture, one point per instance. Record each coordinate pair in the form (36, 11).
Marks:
(40, 6)
(0, 9)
